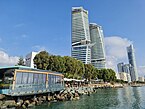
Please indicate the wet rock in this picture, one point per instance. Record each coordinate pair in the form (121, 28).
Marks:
(23, 106)
(10, 103)
(1, 102)
(49, 98)
(2, 96)
(26, 103)
(19, 103)
(3, 107)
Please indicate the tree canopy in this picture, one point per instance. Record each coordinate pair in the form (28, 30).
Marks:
(21, 61)
(72, 68)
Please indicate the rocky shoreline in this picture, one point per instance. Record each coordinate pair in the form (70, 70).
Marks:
(70, 93)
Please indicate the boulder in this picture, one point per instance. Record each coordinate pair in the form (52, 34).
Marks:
(49, 98)
(26, 103)
(9, 103)
(1, 102)
(19, 103)
(2, 96)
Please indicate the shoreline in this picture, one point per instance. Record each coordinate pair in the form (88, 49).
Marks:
(68, 94)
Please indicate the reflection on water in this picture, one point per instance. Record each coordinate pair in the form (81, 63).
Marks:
(136, 94)
(121, 98)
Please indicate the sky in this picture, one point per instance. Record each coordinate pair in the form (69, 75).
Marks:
(35, 25)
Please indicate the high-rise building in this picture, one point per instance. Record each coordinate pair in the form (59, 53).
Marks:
(98, 50)
(81, 47)
(126, 68)
(132, 62)
(29, 59)
(120, 67)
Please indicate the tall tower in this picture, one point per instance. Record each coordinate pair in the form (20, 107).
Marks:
(81, 47)
(98, 49)
(120, 67)
(132, 62)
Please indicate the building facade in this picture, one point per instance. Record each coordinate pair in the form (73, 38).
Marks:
(120, 67)
(29, 59)
(141, 79)
(81, 47)
(123, 76)
(132, 62)
(98, 50)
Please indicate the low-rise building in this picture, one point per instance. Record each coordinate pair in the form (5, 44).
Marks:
(141, 79)
(123, 76)
(29, 59)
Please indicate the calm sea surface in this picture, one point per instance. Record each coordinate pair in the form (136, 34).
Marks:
(121, 98)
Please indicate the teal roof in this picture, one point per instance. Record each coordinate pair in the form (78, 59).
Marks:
(25, 67)
(17, 67)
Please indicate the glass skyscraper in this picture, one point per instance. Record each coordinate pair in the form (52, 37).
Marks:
(132, 62)
(98, 50)
(81, 47)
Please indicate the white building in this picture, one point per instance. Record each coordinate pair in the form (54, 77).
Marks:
(132, 62)
(98, 49)
(29, 59)
(81, 47)
(123, 76)
(141, 79)
(117, 76)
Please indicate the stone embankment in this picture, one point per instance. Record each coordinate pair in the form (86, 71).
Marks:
(70, 93)
(27, 102)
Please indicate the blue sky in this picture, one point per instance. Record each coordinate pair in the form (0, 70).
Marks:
(33, 25)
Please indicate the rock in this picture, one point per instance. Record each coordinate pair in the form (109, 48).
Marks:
(76, 94)
(19, 103)
(10, 103)
(77, 98)
(26, 103)
(69, 96)
(1, 102)
(62, 98)
(30, 105)
(33, 103)
(23, 106)
(44, 98)
(3, 107)
(2, 96)
(49, 98)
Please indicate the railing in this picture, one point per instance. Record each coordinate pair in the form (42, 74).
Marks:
(27, 89)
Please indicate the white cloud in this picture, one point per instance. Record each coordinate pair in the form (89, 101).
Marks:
(38, 48)
(6, 60)
(116, 50)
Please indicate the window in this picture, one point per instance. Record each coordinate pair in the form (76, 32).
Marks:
(18, 78)
(30, 78)
(24, 78)
(35, 78)
(40, 78)
(44, 78)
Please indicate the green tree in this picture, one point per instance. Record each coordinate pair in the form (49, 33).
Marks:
(41, 60)
(56, 63)
(21, 61)
(89, 71)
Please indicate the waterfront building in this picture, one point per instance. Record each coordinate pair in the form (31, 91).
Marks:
(120, 67)
(98, 50)
(117, 76)
(81, 47)
(126, 68)
(29, 59)
(123, 76)
(141, 79)
(132, 62)
(128, 78)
